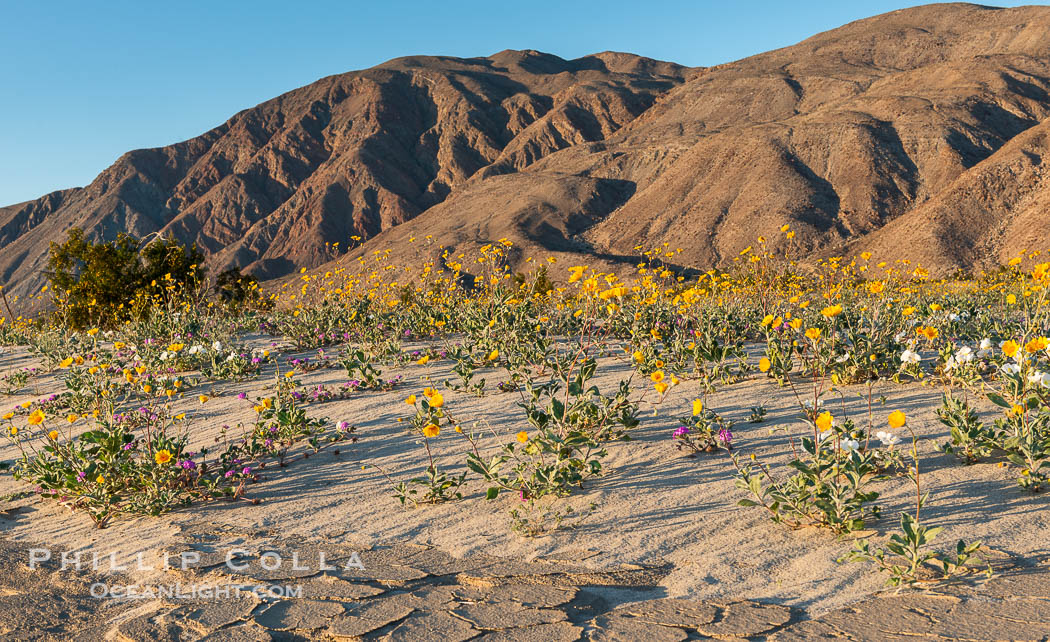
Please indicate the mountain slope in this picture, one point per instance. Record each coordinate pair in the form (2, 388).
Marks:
(352, 154)
(987, 215)
(837, 136)
(857, 137)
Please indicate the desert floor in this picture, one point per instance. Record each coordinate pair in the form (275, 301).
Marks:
(656, 511)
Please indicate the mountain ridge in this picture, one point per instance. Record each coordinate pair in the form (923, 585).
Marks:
(853, 137)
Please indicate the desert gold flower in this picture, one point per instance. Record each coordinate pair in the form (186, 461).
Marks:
(897, 419)
(434, 398)
(71, 417)
(203, 398)
(1010, 348)
(657, 376)
(493, 355)
(698, 406)
(1037, 344)
(431, 430)
(824, 421)
(832, 311)
(36, 417)
(411, 400)
(764, 365)
(423, 360)
(661, 387)
(523, 436)
(65, 363)
(53, 435)
(813, 334)
(162, 456)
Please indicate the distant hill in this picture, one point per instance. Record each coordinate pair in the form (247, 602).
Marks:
(916, 134)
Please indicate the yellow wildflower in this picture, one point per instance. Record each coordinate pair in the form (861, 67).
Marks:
(1010, 348)
(832, 311)
(1037, 344)
(824, 421)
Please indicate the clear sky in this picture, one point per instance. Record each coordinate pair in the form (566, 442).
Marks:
(85, 80)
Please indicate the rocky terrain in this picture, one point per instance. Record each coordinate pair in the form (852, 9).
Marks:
(915, 134)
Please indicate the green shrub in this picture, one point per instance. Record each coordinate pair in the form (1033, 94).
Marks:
(238, 290)
(104, 284)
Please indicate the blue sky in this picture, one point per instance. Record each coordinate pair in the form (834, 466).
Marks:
(85, 81)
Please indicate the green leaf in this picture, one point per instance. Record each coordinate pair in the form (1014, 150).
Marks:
(998, 400)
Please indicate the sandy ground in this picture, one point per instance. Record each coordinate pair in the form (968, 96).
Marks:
(654, 504)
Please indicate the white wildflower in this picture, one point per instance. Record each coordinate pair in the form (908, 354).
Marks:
(909, 356)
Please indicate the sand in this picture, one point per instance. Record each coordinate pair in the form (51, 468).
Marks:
(653, 504)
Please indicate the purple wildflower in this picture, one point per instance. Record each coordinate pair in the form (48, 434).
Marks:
(725, 436)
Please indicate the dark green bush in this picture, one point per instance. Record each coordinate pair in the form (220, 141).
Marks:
(104, 284)
(236, 289)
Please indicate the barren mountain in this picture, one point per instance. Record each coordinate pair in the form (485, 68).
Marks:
(917, 133)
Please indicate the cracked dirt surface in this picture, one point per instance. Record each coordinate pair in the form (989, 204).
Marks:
(297, 588)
